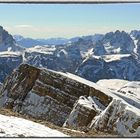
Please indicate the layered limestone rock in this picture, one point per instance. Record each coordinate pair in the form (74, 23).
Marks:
(118, 118)
(18, 84)
(45, 94)
(70, 101)
(86, 109)
(81, 116)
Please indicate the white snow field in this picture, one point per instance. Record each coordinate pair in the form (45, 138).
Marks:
(11, 126)
(113, 84)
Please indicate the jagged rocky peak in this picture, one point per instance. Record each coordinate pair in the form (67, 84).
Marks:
(5, 37)
(93, 68)
(99, 48)
(84, 44)
(135, 34)
(7, 43)
(118, 42)
(115, 66)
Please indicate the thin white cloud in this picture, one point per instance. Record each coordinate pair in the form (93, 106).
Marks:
(23, 26)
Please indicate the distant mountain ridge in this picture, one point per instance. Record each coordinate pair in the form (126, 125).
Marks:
(30, 42)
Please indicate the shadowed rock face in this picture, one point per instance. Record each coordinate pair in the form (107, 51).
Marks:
(7, 43)
(94, 69)
(19, 83)
(5, 37)
(121, 40)
(45, 94)
(7, 64)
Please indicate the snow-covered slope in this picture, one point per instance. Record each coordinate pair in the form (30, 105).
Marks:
(17, 127)
(129, 91)
(113, 84)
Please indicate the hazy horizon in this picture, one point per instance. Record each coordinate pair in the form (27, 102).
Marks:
(68, 20)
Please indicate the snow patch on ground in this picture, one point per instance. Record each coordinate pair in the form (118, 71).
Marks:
(17, 127)
(9, 54)
(114, 57)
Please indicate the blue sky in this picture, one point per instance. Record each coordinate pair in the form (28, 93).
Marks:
(68, 20)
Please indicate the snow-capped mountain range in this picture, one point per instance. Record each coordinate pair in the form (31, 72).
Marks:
(30, 42)
(113, 55)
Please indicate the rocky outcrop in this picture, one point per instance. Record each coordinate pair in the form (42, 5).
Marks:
(118, 118)
(70, 101)
(81, 116)
(19, 83)
(44, 94)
